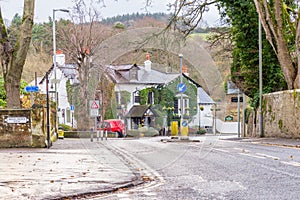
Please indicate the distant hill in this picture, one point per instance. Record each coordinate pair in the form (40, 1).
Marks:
(127, 18)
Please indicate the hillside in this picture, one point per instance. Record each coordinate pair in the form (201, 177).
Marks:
(40, 56)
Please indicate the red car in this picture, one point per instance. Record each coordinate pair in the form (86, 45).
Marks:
(114, 125)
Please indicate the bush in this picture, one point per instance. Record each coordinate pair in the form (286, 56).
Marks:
(65, 127)
(202, 131)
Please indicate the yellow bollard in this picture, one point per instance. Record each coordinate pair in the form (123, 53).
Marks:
(184, 129)
(174, 128)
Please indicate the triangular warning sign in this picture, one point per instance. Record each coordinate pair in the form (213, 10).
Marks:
(94, 105)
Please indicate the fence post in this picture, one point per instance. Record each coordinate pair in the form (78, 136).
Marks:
(97, 135)
(101, 135)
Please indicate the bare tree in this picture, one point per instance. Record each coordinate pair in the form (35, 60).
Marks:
(187, 14)
(81, 37)
(13, 56)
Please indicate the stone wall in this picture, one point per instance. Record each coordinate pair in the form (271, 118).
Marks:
(281, 111)
(13, 134)
(25, 127)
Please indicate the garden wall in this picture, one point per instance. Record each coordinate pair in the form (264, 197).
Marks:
(281, 111)
(24, 128)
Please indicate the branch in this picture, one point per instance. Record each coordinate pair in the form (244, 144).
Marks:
(188, 14)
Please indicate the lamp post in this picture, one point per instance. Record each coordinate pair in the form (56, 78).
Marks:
(261, 131)
(181, 94)
(200, 109)
(54, 58)
(54, 49)
(48, 112)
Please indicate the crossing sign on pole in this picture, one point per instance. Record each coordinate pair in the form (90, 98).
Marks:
(94, 108)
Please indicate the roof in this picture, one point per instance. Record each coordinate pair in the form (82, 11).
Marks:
(69, 70)
(191, 80)
(140, 111)
(121, 75)
(203, 97)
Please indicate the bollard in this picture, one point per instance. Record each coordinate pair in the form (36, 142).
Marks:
(101, 135)
(91, 135)
(97, 135)
(106, 134)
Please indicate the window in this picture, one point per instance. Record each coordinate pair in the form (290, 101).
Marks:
(150, 97)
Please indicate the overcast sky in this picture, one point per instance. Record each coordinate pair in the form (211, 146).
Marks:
(44, 8)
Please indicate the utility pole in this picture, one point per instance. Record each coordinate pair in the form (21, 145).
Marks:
(181, 95)
(54, 63)
(261, 132)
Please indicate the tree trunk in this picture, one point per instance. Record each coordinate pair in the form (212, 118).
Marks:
(286, 64)
(13, 59)
(271, 17)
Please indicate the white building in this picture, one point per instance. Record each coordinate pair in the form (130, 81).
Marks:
(63, 73)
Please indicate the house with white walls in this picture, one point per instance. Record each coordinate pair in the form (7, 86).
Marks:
(133, 78)
(57, 89)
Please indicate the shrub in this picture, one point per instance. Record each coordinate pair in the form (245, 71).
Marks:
(201, 131)
(65, 127)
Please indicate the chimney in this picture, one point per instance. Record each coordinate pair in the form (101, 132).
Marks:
(185, 70)
(148, 63)
(60, 58)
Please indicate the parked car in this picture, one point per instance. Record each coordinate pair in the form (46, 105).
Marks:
(113, 125)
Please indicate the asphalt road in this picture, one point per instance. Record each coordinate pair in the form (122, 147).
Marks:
(210, 169)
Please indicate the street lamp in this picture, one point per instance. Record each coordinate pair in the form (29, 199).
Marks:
(47, 111)
(54, 58)
(54, 49)
(201, 108)
(181, 94)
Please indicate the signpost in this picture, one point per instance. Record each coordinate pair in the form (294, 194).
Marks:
(181, 87)
(94, 112)
(16, 120)
(94, 108)
(30, 88)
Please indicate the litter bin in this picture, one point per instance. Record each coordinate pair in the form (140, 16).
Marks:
(61, 133)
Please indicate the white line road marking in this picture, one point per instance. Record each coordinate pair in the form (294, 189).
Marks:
(221, 150)
(292, 163)
(242, 150)
(251, 155)
(268, 156)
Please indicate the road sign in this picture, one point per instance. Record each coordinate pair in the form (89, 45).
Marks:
(16, 120)
(94, 105)
(72, 107)
(181, 87)
(94, 108)
(30, 88)
(184, 123)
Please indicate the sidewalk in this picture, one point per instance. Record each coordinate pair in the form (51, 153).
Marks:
(70, 167)
(284, 142)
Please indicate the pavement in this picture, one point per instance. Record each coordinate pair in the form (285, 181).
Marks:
(77, 168)
(70, 168)
(269, 141)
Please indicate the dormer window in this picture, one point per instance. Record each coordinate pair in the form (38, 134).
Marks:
(133, 73)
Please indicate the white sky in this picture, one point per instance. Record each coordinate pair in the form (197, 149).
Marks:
(44, 8)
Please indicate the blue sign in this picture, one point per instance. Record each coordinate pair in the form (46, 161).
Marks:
(181, 87)
(184, 123)
(29, 88)
(72, 107)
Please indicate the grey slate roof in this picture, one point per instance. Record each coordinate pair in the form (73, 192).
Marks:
(203, 98)
(140, 110)
(120, 74)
